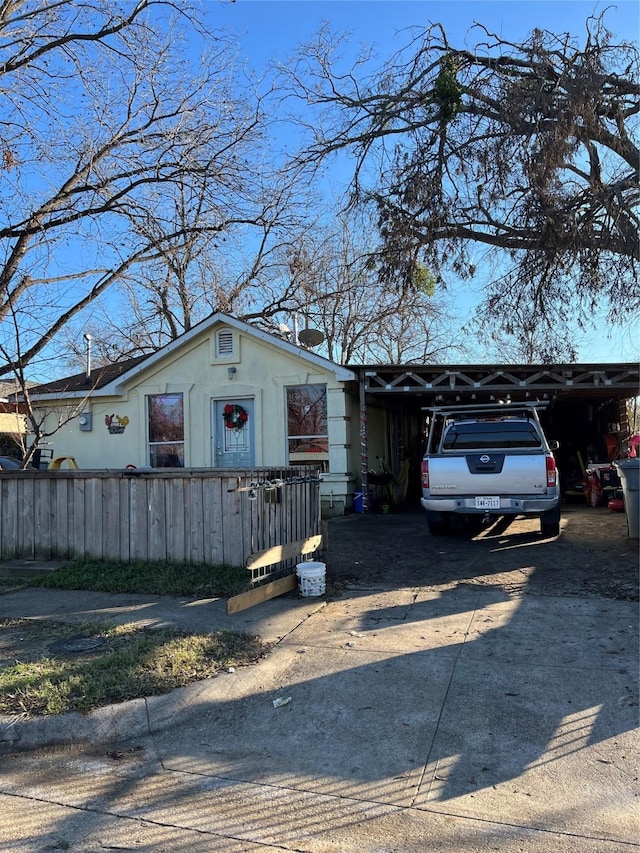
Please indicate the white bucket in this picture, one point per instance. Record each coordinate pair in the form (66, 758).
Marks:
(311, 578)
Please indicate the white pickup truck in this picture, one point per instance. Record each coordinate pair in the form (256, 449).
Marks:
(489, 461)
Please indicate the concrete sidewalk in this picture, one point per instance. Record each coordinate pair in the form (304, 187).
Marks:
(462, 719)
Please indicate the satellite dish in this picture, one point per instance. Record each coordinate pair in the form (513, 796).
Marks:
(310, 337)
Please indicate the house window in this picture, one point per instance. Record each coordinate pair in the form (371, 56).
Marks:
(307, 433)
(166, 430)
(224, 343)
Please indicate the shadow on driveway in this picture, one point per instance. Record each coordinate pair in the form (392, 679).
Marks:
(453, 693)
(592, 556)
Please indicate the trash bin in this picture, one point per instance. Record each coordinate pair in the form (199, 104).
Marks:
(358, 501)
(629, 471)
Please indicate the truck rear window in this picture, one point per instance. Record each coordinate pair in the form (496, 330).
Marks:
(491, 435)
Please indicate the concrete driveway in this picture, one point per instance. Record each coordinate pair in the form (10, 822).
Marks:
(464, 713)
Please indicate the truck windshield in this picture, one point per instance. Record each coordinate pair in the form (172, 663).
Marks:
(490, 435)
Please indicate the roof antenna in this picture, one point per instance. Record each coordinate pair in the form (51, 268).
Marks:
(87, 338)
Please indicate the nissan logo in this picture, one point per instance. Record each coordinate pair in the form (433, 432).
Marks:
(484, 459)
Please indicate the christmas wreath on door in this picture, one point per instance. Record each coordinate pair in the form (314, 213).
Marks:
(235, 416)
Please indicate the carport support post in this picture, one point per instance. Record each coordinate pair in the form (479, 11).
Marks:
(364, 449)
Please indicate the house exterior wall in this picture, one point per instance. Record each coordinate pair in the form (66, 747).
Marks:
(12, 423)
(262, 373)
(376, 428)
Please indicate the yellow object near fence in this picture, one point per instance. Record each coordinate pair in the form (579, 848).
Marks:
(57, 463)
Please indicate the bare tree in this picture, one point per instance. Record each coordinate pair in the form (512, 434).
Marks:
(105, 125)
(333, 288)
(526, 152)
(520, 334)
(229, 267)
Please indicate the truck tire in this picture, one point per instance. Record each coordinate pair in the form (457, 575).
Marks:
(550, 523)
(438, 523)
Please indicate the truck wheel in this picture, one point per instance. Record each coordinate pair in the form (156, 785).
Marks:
(550, 523)
(438, 526)
(549, 529)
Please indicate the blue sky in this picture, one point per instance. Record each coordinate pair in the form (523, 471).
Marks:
(273, 29)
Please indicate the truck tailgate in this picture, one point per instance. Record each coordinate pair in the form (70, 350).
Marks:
(524, 474)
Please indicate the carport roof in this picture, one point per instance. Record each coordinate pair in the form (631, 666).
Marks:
(486, 382)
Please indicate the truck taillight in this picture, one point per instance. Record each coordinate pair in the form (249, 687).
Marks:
(424, 471)
(552, 473)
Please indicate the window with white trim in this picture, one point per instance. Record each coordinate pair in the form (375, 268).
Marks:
(166, 430)
(307, 425)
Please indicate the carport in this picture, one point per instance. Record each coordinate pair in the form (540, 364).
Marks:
(586, 410)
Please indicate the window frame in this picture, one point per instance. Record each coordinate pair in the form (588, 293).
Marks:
(318, 458)
(168, 443)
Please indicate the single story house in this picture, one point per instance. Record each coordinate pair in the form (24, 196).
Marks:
(224, 395)
(229, 395)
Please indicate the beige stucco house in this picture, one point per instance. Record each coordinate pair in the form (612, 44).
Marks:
(223, 395)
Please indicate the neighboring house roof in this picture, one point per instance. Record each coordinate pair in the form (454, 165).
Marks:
(108, 380)
(83, 382)
(9, 387)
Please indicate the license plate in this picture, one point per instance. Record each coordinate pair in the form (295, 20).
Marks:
(491, 502)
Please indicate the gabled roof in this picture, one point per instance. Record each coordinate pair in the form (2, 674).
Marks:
(109, 380)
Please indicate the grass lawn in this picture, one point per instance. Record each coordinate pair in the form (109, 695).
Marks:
(38, 677)
(151, 578)
(47, 676)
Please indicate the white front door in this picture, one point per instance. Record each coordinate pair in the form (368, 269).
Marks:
(233, 435)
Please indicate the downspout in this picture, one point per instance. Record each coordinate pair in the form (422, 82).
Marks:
(364, 446)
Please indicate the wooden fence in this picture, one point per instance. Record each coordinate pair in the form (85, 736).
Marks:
(209, 516)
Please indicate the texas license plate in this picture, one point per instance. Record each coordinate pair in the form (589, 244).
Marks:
(488, 502)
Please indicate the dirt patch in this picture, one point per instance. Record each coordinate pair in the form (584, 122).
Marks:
(593, 556)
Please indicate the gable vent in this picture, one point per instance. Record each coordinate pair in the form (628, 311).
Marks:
(225, 342)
